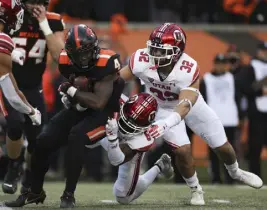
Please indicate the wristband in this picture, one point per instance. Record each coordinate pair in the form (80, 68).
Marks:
(45, 27)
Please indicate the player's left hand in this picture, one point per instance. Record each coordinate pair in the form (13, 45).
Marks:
(157, 129)
(36, 117)
(18, 56)
(112, 129)
(39, 12)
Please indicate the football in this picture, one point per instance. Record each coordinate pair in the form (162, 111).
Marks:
(82, 83)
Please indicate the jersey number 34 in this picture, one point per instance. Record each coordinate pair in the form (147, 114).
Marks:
(37, 51)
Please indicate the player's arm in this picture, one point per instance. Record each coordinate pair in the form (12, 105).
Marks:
(55, 41)
(187, 98)
(11, 91)
(99, 98)
(126, 73)
(117, 153)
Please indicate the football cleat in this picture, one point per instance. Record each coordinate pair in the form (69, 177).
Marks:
(197, 198)
(26, 198)
(10, 184)
(67, 200)
(165, 166)
(249, 179)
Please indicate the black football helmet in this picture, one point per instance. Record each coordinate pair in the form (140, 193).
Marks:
(82, 47)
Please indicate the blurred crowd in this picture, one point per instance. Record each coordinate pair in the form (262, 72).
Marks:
(185, 11)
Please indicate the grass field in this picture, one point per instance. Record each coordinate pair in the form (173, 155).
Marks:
(158, 196)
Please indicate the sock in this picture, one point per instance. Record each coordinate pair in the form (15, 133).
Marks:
(233, 170)
(26, 179)
(115, 155)
(75, 157)
(192, 182)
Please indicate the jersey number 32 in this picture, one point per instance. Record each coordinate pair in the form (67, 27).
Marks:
(37, 51)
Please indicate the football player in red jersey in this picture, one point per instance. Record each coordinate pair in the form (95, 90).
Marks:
(83, 122)
(11, 19)
(172, 76)
(40, 32)
(126, 144)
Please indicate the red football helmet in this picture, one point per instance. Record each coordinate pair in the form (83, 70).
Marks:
(11, 14)
(137, 114)
(166, 44)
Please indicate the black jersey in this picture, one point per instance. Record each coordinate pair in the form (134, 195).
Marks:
(108, 63)
(31, 41)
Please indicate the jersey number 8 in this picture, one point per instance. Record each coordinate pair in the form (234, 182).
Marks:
(37, 51)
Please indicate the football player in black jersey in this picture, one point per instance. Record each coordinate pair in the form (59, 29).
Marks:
(83, 121)
(41, 32)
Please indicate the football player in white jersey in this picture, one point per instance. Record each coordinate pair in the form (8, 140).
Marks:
(126, 144)
(171, 76)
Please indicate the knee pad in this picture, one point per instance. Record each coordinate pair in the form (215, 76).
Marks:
(14, 133)
(120, 196)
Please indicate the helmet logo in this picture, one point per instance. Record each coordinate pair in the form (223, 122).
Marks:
(133, 99)
(152, 116)
(178, 36)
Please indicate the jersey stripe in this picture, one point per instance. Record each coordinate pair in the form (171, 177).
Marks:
(102, 62)
(196, 75)
(52, 15)
(131, 63)
(6, 44)
(76, 36)
(97, 133)
(64, 59)
(107, 52)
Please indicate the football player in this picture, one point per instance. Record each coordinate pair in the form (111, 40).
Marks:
(172, 76)
(40, 32)
(126, 144)
(83, 122)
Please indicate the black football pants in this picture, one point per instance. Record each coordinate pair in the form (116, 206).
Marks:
(71, 128)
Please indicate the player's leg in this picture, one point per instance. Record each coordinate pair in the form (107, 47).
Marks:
(177, 138)
(87, 132)
(35, 98)
(130, 185)
(52, 137)
(255, 143)
(14, 144)
(205, 123)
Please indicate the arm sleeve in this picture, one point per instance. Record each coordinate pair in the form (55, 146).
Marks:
(12, 96)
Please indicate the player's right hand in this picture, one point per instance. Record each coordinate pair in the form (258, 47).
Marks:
(112, 129)
(157, 129)
(18, 57)
(36, 117)
(63, 88)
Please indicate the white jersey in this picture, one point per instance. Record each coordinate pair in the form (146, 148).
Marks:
(140, 142)
(184, 73)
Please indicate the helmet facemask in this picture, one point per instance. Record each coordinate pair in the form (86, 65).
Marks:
(161, 55)
(83, 57)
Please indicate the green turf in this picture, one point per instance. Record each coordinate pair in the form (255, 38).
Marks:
(158, 196)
